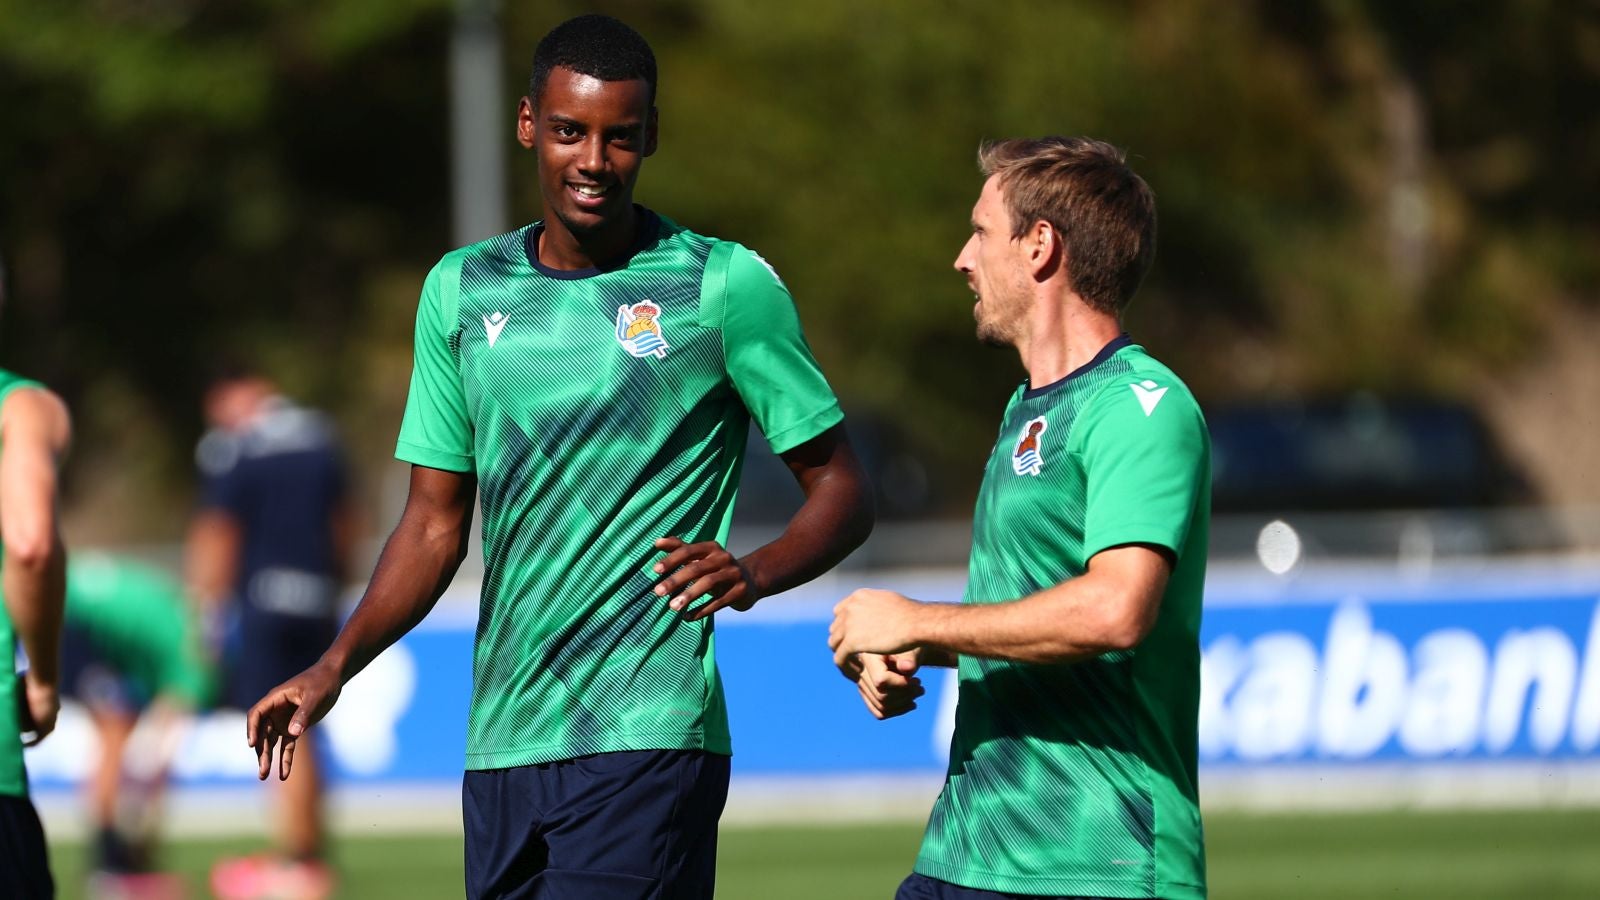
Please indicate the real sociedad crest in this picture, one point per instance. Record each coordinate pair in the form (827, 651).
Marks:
(1028, 458)
(639, 332)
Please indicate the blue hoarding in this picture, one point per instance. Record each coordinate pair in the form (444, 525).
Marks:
(1344, 667)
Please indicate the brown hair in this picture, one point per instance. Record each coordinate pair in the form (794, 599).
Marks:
(1105, 214)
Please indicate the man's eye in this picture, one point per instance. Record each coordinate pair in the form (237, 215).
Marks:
(565, 131)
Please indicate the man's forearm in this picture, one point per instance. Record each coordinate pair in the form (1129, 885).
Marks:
(835, 519)
(33, 585)
(211, 558)
(937, 657)
(416, 566)
(1066, 623)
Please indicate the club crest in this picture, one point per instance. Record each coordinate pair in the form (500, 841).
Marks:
(1028, 457)
(639, 331)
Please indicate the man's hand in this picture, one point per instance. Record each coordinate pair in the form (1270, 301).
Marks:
(286, 712)
(870, 621)
(888, 683)
(40, 704)
(702, 569)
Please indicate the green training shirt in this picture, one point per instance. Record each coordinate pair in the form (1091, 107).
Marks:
(13, 777)
(601, 410)
(140, 624)
(1079, 779)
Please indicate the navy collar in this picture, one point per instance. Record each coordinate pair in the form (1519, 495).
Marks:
(649, 228)
(1106, 352)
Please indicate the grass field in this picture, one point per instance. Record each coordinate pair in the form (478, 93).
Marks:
(1415, 856)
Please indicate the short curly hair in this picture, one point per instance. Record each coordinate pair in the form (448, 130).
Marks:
(594, 45)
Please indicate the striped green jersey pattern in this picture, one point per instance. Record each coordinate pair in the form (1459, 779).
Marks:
(13, 776)
(1079, 779)
(601, 410)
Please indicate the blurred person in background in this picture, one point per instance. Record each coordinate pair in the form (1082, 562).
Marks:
(1072, 765)
(267, 554)
(132, 656)
(594, 374)
(34, 431)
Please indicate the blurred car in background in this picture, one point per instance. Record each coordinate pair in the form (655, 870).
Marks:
(1364, 475)
(1359, 452)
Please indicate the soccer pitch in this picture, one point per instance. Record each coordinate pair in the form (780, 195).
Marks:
(1416, 856)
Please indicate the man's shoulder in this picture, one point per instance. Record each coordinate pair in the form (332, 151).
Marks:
(1138, 388)
(735, 253)
(669, 230)
(502, 247)
(11, 384)
(28, 405)
(1137, 367)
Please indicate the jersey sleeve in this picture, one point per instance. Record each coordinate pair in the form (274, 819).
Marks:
(767, 357)
(223, 490)
(1146, 456)
(436, 431)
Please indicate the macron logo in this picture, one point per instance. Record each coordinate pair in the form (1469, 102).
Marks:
(1149, 395)
(493, 324)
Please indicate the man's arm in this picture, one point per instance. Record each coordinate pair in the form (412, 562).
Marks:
(211, 559)
(34, 432)
(835, 518)
(416, 566)
(1110, 607)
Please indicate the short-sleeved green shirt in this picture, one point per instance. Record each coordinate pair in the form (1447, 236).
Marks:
(601, 410)
(1079, 779)
(140, 624)
(13, 777)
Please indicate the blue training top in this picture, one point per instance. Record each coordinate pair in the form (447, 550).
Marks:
(281, 478)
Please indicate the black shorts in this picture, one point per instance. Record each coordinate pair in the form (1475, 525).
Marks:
(24, 862)
(921, 887)
(635, 825)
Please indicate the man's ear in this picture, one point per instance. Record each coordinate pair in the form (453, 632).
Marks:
(652, 132)
(1044, 249)
(526, 124)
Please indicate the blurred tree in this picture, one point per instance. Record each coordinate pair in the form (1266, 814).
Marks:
(1353, 193)
(187, 182)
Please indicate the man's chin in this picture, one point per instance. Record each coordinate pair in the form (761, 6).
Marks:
(585, 222)
(989, 336)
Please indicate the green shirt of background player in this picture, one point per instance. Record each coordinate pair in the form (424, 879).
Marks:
(595, 450)
(34, 431)
(1072, 769)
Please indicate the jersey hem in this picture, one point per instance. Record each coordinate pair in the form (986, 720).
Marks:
(1069, 887)
(1135, 533)
(433, 458)
(538, 754)
(806, 429)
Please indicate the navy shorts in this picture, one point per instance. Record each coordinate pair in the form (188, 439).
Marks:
(263, 650)
(635, 825)
(24, 862)
(921, 887)
(91, 676)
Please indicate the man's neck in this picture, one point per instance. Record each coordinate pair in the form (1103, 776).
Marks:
(1065, 336)
(561, 249)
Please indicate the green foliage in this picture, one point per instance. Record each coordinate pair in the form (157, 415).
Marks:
(1341, 184)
